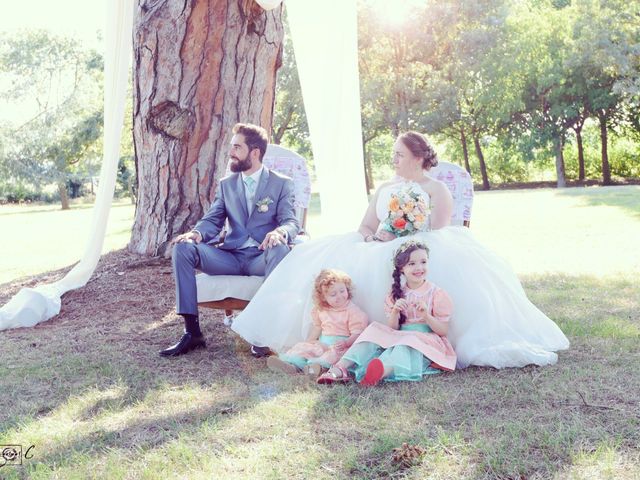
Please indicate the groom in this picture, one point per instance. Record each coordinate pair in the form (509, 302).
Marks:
(258, 205)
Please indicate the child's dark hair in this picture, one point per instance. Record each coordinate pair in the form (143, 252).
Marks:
(324, 280)
(400, 260)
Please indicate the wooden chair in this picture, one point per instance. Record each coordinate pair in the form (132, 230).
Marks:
(459, 182)
(233, 292)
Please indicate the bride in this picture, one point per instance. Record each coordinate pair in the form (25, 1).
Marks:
(494, 323)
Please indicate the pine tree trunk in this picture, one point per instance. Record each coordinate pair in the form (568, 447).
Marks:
(581, 174)
(465, 151)
(560, 170)
(606, 170)
(200, 66)
(368, 172)
(483, 165)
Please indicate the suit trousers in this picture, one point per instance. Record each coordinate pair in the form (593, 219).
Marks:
(187, 257)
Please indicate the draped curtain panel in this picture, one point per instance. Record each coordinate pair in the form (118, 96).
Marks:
(33, 305)
(325, 42)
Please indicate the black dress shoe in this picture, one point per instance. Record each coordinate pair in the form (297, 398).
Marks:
(187, 343)
(259, 352)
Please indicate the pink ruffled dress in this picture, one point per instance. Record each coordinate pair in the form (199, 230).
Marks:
(414, 350)
(336, 324)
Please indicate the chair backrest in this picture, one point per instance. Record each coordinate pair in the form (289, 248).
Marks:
(289, 163)
(459, 182)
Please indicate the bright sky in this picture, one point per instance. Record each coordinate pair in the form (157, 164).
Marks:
(77, 18)
(81, 19)
(395, 12)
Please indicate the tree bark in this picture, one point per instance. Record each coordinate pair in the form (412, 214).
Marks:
(606, 169)
(483, 165)
(200, 66)
(465, 150)
(581, 174)
(64, 196)
(560, 170)
(368, 171)
(276, 136)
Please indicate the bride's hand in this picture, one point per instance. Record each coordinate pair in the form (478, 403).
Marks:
(385, 236)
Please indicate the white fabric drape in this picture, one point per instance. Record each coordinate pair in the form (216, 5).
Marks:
(325, 42)
(269, 4)
(34, 305)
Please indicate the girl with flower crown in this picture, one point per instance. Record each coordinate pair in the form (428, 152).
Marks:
(413, 343)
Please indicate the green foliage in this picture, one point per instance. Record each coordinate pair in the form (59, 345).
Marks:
(289, 124)
(59, 80)
(518, 77)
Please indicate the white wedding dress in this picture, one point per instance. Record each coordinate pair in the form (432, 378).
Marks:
(493, 324)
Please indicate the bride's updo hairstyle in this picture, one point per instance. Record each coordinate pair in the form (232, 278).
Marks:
(400, 260)
(324, 280)
(419, 146)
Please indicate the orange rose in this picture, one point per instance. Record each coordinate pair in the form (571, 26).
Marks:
(394, 204)
(399, 223)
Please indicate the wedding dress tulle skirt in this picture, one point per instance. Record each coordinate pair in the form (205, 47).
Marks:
(493, 324)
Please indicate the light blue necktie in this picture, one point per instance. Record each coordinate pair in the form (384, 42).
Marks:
(250, 185)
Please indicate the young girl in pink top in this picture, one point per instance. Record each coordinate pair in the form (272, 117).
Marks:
(414, 342)
(337, 322)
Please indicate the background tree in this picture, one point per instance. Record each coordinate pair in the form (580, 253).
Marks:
(606, 39)
(391, 83)
(199, 68)
(289, 126)
(60, 81)
(463, 76)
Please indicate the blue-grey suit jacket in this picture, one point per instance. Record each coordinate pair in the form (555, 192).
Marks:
(229, 203)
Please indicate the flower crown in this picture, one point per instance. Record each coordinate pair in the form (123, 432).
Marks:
(410, 244)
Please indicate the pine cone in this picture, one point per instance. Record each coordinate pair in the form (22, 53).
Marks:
(408, 455)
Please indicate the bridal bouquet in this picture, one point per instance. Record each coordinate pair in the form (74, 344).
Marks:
(408, 213)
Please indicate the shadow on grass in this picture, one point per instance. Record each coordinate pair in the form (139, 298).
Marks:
(626, 197)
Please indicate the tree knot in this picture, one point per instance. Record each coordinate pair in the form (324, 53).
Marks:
(169, 119)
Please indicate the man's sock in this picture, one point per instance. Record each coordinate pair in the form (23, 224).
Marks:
(191, 325)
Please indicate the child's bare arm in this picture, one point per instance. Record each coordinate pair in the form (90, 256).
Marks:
(438, 326)
(314, 333)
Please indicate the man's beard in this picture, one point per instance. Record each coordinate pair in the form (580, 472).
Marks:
(238, 165)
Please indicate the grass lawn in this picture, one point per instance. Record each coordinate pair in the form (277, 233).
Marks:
(89, 391)
(40, 238)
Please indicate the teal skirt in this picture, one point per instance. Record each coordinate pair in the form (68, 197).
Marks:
(407, 363)
(301, 362)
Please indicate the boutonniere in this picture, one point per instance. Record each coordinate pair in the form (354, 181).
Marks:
(263, 204)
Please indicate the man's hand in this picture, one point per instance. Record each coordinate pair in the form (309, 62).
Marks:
(190, 237)
(272, 239)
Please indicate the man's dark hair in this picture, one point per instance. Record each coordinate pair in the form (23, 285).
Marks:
(254, 136)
